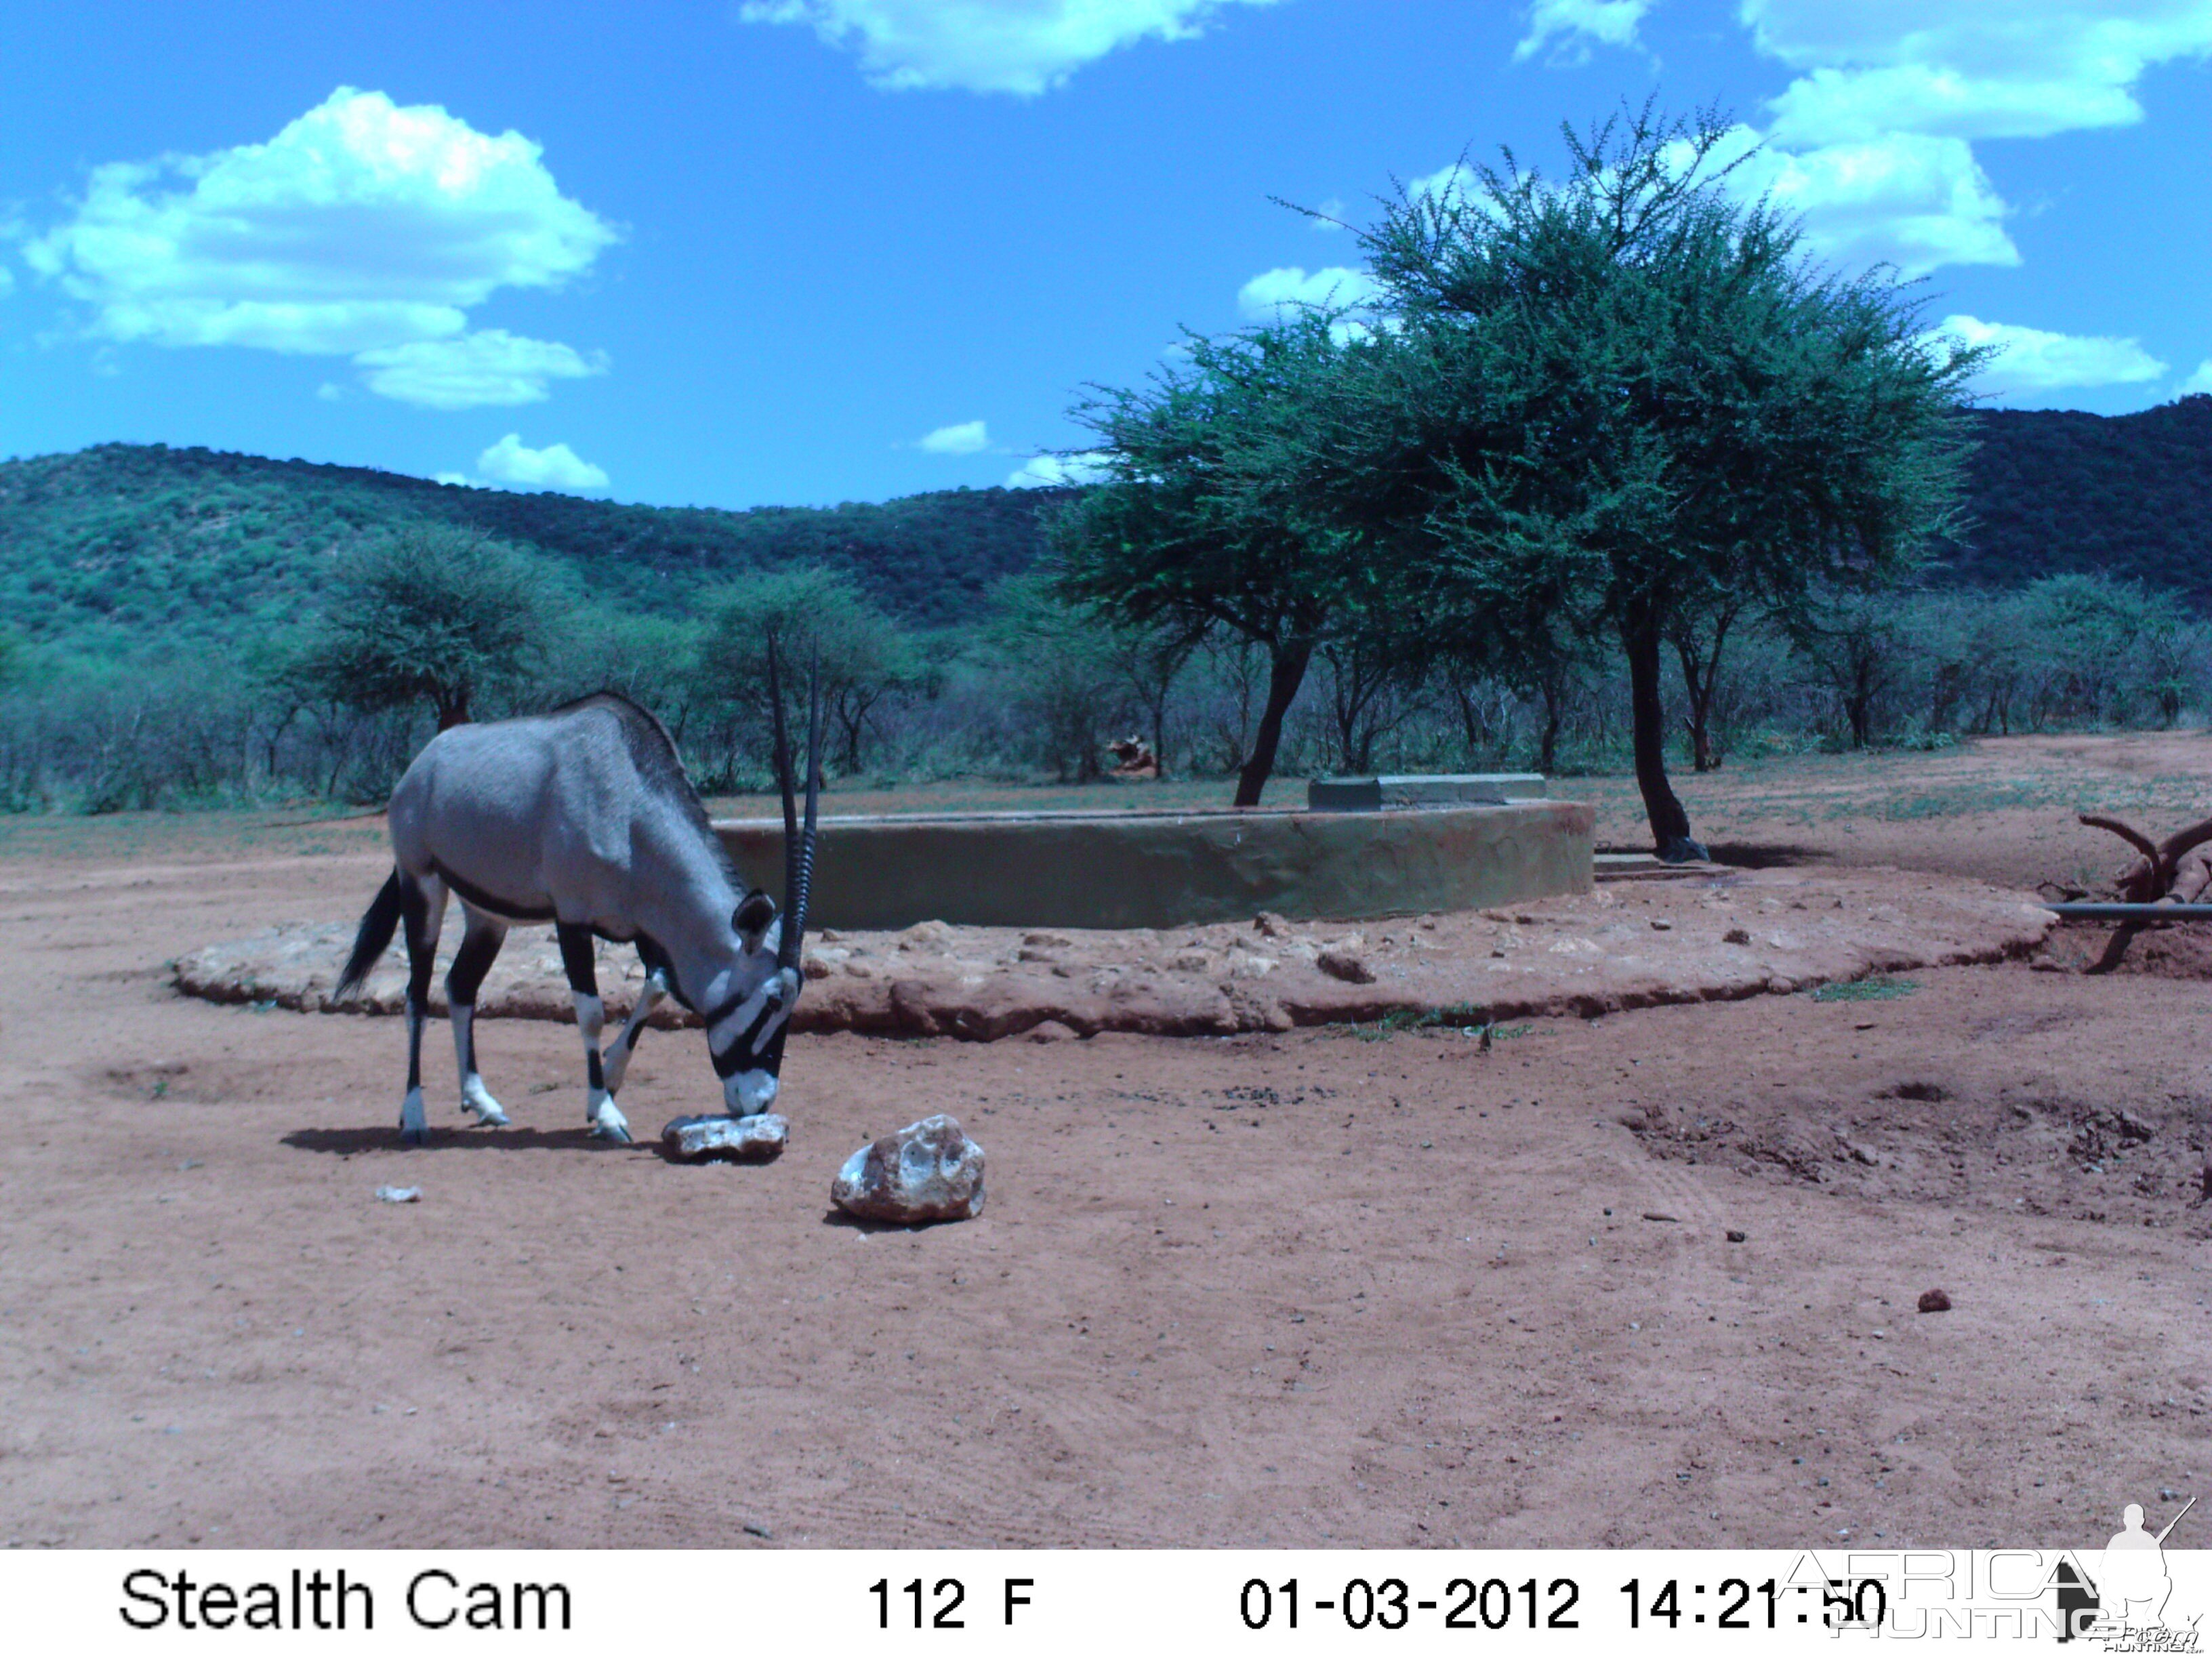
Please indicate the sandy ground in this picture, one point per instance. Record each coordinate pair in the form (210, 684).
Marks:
(1300, 1288)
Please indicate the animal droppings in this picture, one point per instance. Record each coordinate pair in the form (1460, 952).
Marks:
(928, 1171)
(1934, 1302)
(1737, 1236)
(755, 1140)
(400, 1195)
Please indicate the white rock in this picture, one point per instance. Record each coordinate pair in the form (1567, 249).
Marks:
(928, 1171)
(754, 1140)
(400, 1195)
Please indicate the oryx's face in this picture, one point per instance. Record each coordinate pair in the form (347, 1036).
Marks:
(745, 1023)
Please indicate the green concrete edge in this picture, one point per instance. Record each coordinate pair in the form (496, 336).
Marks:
(1169, 870)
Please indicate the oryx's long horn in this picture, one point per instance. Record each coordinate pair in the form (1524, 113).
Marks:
(784, 955)
(799, 841)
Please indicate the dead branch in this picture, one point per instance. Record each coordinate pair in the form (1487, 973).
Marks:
(2161, 876)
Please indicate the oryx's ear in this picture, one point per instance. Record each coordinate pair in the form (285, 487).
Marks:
(752, 917)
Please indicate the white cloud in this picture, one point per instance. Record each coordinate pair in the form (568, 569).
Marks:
(7, 279)
(491, 367)
(556, 466)
(1967, 69)
(2031, 360)
(461, 478)
(1265, 296)
(1576, 23)
(360, 226)
(1022, 46)
(1911, 199)
(1458, 180)
(331, 391)
(969, 438)
(2200, 381)
(1053, 471)
(1330, 216)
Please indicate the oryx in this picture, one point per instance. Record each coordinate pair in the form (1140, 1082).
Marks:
(582, 817)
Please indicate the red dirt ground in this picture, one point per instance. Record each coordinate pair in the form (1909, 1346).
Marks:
(1293, 1289)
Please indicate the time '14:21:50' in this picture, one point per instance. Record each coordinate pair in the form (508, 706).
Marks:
(1841, 1604)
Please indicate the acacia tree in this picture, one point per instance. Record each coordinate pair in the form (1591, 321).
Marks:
(434, 614)
(1206, 521)
(1618, 395)
(864, 656)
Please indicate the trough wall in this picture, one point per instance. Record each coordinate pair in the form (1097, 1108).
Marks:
(1176, 869)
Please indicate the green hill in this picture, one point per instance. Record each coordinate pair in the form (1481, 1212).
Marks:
(116, 547)
(2056, 491)
(120, 548)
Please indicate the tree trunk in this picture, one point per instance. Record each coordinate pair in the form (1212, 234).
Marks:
(1670, 824)
(1698, 684)
(452, 709)
(1468, 719)
(1286, 671)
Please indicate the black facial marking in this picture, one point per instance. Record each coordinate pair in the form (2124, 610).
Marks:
(745, 1054)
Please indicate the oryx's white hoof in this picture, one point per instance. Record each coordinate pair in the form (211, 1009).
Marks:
(607, 1121)
(414, 1126)
(490, 1115)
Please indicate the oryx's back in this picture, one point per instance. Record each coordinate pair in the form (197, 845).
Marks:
(552, 814)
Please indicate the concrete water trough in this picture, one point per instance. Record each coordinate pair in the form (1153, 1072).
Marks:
(1170, 869)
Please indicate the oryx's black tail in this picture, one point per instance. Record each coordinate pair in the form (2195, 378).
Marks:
(377, 928)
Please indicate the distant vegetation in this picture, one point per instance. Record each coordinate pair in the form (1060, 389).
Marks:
(125, 547)
(1321, 549)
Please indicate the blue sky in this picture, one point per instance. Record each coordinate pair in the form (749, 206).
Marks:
(812, 250)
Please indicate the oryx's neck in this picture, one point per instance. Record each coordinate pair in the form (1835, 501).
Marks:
(683, 896)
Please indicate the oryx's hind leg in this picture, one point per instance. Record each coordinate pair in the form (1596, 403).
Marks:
(480, 943)
(615, 1061)
(422, 912)
(599, 1110)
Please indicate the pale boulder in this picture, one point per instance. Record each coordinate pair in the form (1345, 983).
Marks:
(754, 1140)
(928, 1171)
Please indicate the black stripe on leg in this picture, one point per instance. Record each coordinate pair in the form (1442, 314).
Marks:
(414, 1043)
(422, 960)
(479, 946)
(576, 957)
(597, 1078)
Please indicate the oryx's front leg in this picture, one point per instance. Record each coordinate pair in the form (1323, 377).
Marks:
(599, 1110)
(616, 1060)
(479, 944)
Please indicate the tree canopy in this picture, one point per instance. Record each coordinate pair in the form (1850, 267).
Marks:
(1623, 395)
(434, 614)
(815, 617)
(1208, 522)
